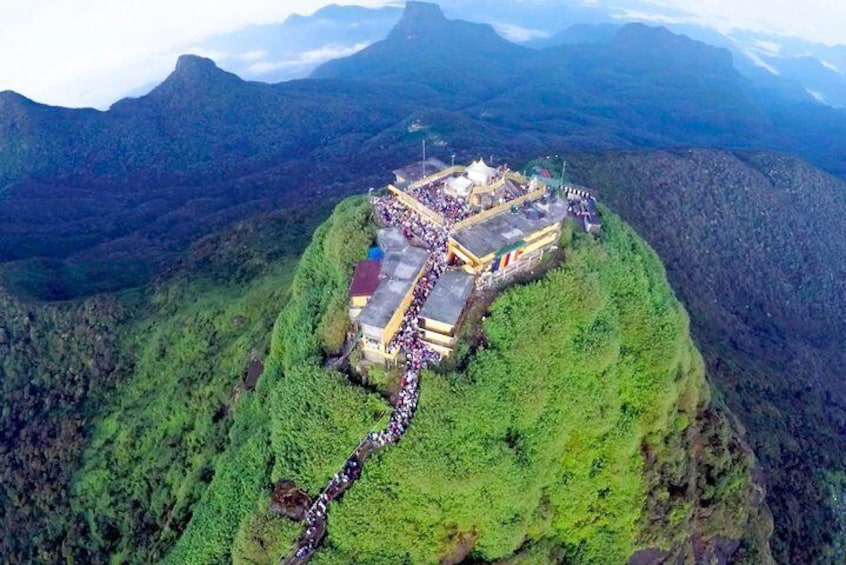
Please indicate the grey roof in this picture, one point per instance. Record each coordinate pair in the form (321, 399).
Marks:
(382, 306)
(506, 229)
(448, 297)
(399, 271)
(405, 265)
(391, 239)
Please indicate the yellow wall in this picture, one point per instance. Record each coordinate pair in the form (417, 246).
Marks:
(449, 171)
(542, 233)
(380, 353)
(457, 249)
(359, 301)
(395, 322)
(415, 205)
(537, 240)
(540, 243)
(438, 339)
(439, 327)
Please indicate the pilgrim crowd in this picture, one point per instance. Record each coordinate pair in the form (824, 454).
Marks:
(417, 356)
(432, 196)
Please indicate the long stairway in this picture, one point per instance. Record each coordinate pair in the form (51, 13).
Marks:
(417, 356)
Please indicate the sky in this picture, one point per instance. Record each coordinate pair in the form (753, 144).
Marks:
(92, 52)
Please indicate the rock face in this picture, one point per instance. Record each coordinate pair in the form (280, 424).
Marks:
(419, 18)
(288, 500)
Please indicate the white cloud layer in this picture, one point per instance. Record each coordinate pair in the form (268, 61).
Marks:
(306, 58)
(821, 21)
(91, 52)
(519, 34)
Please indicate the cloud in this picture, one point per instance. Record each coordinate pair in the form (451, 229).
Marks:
(306, 58)
(767, 47)
(519, 34)
(820, 21)
(831, 66)
(817, 95)
(655, 18)
(756, 58)
(90, 53)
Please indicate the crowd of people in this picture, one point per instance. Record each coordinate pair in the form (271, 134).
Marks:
(390, 212)
(433, 197)
(417, 356)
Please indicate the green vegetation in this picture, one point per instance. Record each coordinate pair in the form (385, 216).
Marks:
(545, 429)
(116, 409)
(153, 453)
(53, 360)
(578, 418)
(753, 242)
(304, 421)
(509, 434)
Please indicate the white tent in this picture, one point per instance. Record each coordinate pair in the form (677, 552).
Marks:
(480, 173)
(459, 186)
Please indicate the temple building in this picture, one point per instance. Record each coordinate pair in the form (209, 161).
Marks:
(497, 224)
(511, 240)
(479, 173)
(441, 315)
(381, 317)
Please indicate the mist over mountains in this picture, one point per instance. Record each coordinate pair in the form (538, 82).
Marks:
(205, 147)
(292, 49)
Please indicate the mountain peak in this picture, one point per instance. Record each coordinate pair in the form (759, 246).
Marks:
(12, 97)
(12, 103)
(197, 70)
(195, 64)
(194, 77)
(419, 18)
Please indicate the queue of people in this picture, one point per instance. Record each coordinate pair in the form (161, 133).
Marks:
(417, 357)
(390, 212)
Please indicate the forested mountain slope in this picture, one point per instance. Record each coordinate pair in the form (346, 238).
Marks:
(600, 339)
(755, 245)
(115, 409)
(97, 201)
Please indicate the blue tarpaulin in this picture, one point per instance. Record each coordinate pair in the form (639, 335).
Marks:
(375, 254)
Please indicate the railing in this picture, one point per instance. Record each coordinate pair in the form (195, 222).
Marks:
(437, 176)
(496, 210)
(417, 206)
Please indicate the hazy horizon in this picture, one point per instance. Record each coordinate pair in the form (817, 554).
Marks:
(55, 53)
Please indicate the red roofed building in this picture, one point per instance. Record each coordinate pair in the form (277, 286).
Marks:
(364, 283)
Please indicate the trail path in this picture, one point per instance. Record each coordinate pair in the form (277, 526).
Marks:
(417, 356)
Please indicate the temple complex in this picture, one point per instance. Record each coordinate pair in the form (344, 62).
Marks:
(486, 224)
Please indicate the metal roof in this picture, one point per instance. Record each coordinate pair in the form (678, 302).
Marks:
(448, 298)
(399, 272)
(382, 306)
(365, 278)
(507, 228)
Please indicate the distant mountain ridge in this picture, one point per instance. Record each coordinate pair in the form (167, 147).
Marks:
(205, 147)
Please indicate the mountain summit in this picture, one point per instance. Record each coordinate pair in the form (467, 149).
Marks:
(419, 19)
(193, 77)
(466, 60)
(196, 65)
